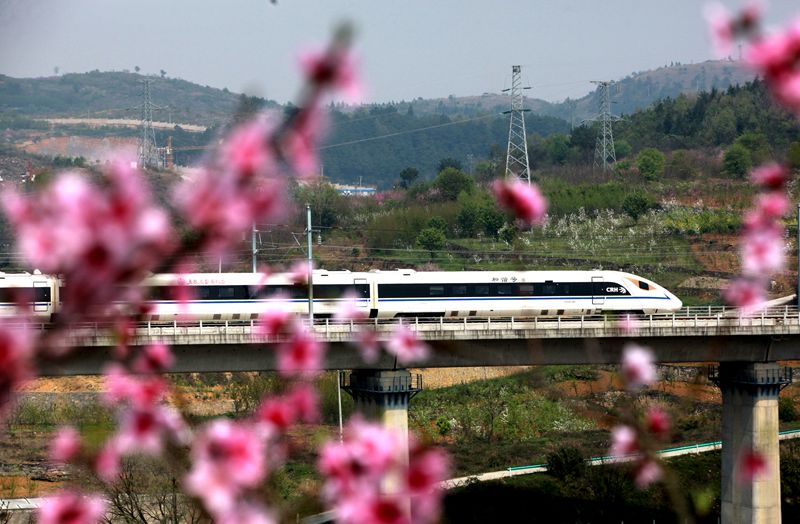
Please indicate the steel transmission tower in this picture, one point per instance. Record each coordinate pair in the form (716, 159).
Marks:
(147, 152)
(604, 154)
(517, 155)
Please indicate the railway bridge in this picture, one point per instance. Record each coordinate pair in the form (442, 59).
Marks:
(747, 350)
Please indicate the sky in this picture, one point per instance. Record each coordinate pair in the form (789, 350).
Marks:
(405, 48)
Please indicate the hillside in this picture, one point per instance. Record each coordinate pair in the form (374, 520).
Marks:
(636, 91)
(115, 95)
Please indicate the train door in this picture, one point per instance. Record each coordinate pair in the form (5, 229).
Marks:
(42, 299)
(598, 292)
(363, 291)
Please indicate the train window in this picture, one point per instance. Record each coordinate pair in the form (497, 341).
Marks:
(482, 290)
(505, 289)
(644, 285)
(525, 290)
(549, 289)
(437, 291)
(458, 290)
(41, 294)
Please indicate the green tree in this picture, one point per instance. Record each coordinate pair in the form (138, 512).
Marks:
(449, 162)
(650, 163)
(636, 205)
(758, 146)
(467, 219)
(680, 164)
(622, 148)
(450, 182)
(737, 161)
(328, 207)
(793, 157)
(491, 219)
(438, 223)
(566, 462)
(408, 176)
(557, 148)
(431, 239)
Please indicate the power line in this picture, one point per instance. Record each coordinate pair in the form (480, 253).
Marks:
(409, 131)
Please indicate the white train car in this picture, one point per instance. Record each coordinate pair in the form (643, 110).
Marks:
(517, 293)
(377, 294)
(36, 292)
(244, 296)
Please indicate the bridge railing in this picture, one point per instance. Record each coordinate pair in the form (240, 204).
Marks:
(711, 317)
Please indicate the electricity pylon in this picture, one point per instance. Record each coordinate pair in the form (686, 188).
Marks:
(147, 151)
(517, 155)
(604, 154)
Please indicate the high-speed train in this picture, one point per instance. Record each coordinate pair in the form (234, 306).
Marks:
(376, 294)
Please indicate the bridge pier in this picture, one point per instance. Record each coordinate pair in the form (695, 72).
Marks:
(383, 396)
(750, 423)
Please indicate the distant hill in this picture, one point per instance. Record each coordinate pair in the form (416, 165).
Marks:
(116, 95)
(636, 91)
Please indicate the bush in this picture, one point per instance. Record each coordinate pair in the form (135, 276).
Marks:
(787, 412)
(737, 161)
(566, 462)
(650, 163)
(637, 204)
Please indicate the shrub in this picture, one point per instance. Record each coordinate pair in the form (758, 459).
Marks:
(566, 462)
(650, 163)
(787, 412)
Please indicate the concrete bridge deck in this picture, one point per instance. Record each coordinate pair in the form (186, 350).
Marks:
(704, 334)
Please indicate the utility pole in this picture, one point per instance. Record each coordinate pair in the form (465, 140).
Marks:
(254, 248)
(147, 152)
(309, 232)
(604, 154)
(517, 153)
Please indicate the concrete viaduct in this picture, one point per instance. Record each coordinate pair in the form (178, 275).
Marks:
(747, 350)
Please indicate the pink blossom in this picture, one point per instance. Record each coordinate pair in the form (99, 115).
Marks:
(775, 57)
(107, 462)
(281, 412)
(350, 308)
(65, 445)
(246, 513)
(71, 507)
(369, 346)
(372, 509)
(299, 272)
(139, 392)
(524, 200)
(273, 322)
(226, 457)
(628, 324)
(657, 421)
(334, 68)
(647, 472)
(357, 464)
(725, 27)
(246, 150)
(770, 176)
(638, 369)
(624, 441)
(301, 142)
(774, 204)
(427, 468)
(100, 240)
(762, 253)
(224, 205)
(141, 430)
(305, 401)
(753, 465)
(720, 24)
(302, 355)
(745, 294)
(16, 348)
(405, 345)
(276, 413)
(153, 359)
